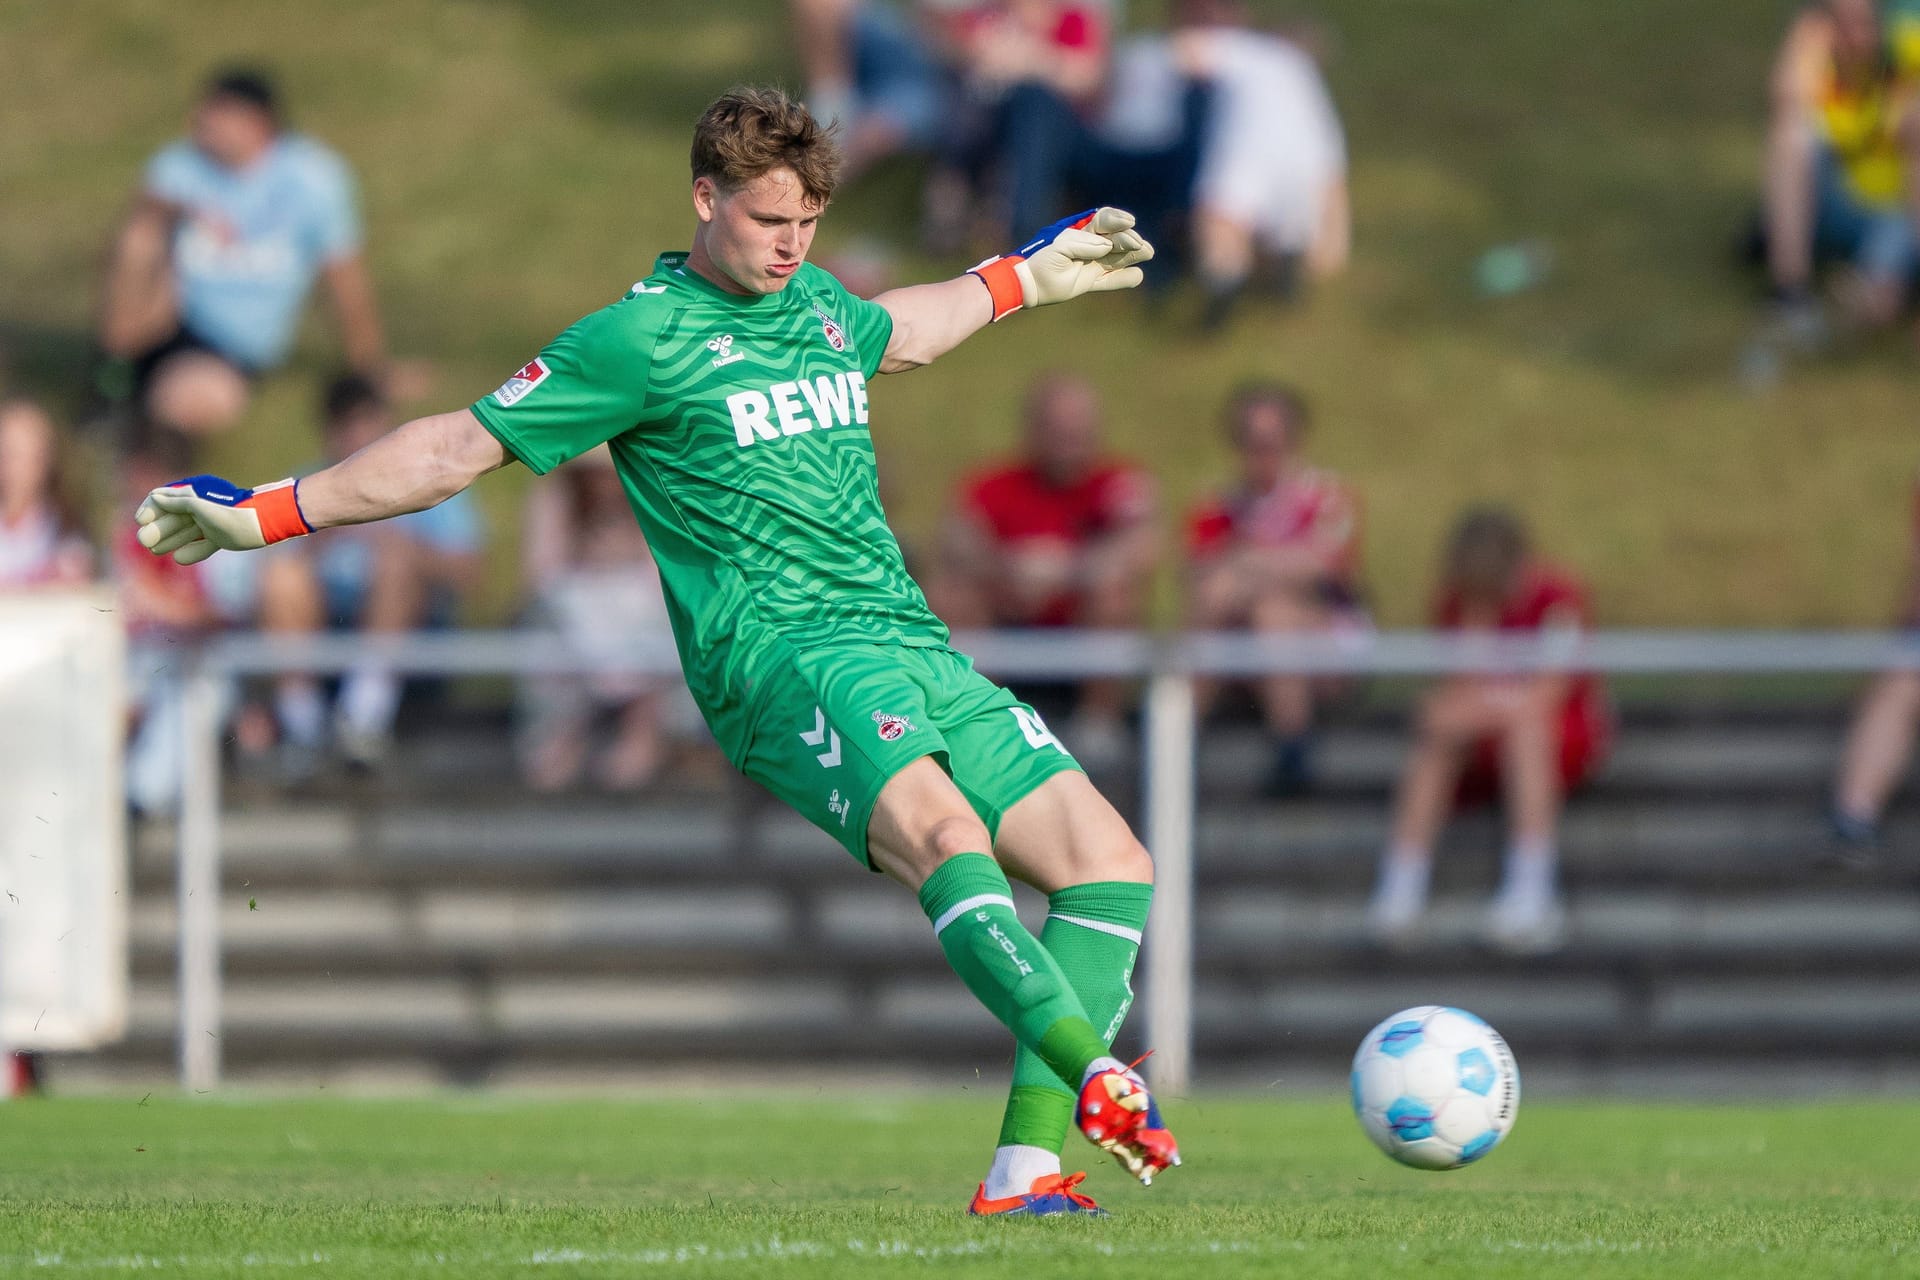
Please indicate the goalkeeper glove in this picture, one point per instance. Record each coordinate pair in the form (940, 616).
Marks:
(193, 518)
(1091, 252)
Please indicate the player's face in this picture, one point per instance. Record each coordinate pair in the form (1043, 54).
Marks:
(755, 236)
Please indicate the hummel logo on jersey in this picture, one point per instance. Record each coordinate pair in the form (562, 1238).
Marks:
(823, 736)
(723, 352)
(516, 388)
(790, 408)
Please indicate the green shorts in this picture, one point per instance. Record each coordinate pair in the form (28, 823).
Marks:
(832, 725)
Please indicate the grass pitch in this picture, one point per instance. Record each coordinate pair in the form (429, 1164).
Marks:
(823, 1185)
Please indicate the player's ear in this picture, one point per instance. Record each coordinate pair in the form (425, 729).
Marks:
(706, 193)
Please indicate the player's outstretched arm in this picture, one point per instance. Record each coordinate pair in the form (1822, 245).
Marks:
(1092, 252)
(420, 464)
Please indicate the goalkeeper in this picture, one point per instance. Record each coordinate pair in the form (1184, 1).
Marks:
(731, 387)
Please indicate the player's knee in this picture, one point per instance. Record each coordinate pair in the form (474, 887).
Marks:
(1126, 860)
(949, 837)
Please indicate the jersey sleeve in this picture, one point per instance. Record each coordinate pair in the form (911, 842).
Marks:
(589, 385)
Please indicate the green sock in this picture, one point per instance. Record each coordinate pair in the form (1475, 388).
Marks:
(1007, 969)
(1093, 931)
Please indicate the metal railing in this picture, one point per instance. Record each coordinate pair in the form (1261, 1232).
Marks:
(1167, 664)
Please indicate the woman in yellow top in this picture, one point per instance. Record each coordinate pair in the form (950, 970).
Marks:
(1843, 155)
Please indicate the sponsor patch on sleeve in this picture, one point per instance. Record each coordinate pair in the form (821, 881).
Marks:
(521, 384)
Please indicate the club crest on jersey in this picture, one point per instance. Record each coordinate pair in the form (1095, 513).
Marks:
(892, 728)
(517, 388)
(723, 352)
(836, 336)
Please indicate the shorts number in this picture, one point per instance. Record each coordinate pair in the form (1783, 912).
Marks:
(1036, 731)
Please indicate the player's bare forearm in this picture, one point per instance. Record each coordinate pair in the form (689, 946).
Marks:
(930, 320)
(419, 465)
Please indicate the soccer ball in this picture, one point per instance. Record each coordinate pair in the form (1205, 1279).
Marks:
(1434, 1087)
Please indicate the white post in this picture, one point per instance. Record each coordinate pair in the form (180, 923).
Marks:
(1169, 806)
(199, 881)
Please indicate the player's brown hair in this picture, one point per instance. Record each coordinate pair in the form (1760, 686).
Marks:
(754, 130)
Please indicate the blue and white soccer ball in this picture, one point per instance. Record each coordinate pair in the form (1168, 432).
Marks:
(1434, 1087)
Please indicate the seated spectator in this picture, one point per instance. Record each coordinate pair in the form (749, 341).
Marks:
(1529, 738)
(396, 576)
(1030, 76)
(168, 607)
(41, 540)
(1841, 168)
(597, 585)
(1879, 743)
(1273, 163)
(1279, 552)
(209, 271)
(1062, 536)
(873, 69)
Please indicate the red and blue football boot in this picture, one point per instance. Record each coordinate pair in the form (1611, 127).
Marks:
(1050, 1194)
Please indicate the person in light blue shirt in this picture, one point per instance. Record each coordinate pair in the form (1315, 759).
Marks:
(407, 574)
(211, 270)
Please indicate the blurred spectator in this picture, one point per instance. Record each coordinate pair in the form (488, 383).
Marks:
(41, 540)
(875, 69)
(208, 273)
(597, 585)
(1062, 536)
(1273, 165)
(1279, 551)
(1031, 73)
(167, 607)
(1880, 742)
(396, 576)
(1840, 168)
(1529, 738)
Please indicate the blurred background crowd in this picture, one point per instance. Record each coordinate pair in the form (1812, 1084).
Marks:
(966, 124)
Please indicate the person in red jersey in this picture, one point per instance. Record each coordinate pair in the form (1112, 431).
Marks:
(1527, 738)
(1061, 536)
(1279, 551)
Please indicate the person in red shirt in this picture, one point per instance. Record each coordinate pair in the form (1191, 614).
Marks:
(1062, 536)
(1529, 738)
(1279, 551)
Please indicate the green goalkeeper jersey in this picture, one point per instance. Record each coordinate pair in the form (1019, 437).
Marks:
(739, 429)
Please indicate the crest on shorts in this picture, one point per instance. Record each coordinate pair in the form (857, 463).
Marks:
(892, 728)
(516, 388)
(836, 336)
